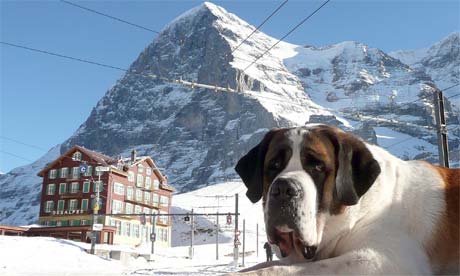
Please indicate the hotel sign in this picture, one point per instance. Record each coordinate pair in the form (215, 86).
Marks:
(98, 227)
(69, 212)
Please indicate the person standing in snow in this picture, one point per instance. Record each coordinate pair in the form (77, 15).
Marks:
(268, 250)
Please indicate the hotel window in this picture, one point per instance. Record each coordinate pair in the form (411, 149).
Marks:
(155, 199)
(148, 182)
(98, 186)
(164, 201)
(117, 206)
(138, 209)
(140, 180)
(147, 212)
(136, 230)
(126, 228)
(84, 204)
(156, 184)
(64, 172)
(74, 187)
(61, 205)
(148, 171)
(140, 168)
(86, 185)
(147, 197)
(62, 188)
(129, 192)
(73, 204)
(76, 156)
(130, 176)
(129, 208)
(160, 234)
(89, 171)
(51, 189)
(138, 195)
(119, 188)
(163, 219)
(75, 172)
(52, 174)
(118, 225)
(49, 206)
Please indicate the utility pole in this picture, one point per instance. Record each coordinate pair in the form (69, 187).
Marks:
(443, 147)
(96, 206)
(191, 235)
(244, 239)
(236, 241)
(153, 235)
(257, 239)
(217, 236)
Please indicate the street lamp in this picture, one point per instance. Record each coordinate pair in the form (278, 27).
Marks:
(96, 227)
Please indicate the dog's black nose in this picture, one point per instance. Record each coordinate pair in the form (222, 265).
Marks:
(284, 189)
(309, 252)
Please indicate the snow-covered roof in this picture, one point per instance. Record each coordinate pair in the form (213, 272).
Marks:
(97, 157)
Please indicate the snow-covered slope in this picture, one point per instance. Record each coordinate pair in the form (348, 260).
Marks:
(20, 191)
(212, 199)
(197, 135)
(441, 61)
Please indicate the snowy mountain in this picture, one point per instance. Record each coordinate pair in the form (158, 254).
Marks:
(21, 190)
(197, 134)
(441, 61)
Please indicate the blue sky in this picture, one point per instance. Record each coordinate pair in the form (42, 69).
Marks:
(44, 99)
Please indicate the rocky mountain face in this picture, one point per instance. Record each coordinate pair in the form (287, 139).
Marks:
(196, 135)
(441, 62)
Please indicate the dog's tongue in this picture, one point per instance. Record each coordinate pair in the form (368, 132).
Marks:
(284, 240)
(285, 243)
(290, 242)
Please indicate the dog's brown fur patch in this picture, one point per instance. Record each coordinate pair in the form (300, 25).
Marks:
(444, 248)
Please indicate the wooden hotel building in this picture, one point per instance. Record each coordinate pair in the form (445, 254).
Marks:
(132, 185)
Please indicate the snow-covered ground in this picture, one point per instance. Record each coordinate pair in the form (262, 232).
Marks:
(50, 256)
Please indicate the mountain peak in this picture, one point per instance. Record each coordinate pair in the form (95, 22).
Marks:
(203, 10)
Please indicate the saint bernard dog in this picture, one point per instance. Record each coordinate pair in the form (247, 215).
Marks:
(334, 204)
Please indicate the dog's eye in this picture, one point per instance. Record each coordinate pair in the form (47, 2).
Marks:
(275, 165)
(319, 167)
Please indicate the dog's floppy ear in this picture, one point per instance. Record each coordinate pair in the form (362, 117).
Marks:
(357, 170)
(251, 168)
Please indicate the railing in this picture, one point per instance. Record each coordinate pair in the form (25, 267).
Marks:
(140, 201)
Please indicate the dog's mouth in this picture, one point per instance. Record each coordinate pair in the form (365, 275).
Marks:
(290, 242)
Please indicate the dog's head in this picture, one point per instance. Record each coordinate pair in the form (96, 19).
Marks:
(303, 174)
